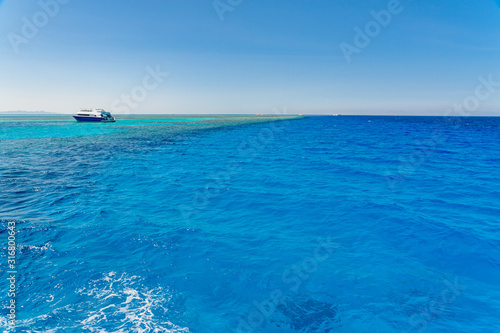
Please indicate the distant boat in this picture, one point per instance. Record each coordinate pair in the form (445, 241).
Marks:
(94, 115)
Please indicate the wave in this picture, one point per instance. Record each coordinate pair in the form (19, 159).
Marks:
(112, 303)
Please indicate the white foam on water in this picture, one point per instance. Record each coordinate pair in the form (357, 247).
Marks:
(133, 307)
(47, 246)
(112, 303)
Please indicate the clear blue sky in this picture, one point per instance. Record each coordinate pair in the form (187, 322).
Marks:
(264, 54)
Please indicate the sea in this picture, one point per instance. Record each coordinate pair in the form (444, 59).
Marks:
(164, 223)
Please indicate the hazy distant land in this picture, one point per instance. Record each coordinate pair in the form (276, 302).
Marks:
(19, 112)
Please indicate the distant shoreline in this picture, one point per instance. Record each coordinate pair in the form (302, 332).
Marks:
(20, 113)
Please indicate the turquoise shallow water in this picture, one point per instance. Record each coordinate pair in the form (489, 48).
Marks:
(241, 224)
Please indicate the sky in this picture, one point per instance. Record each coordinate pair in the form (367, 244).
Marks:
(419, 57)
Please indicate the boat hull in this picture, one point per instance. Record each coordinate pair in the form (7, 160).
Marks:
(92, 119)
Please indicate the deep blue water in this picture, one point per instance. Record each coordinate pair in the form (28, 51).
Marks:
(318, 224)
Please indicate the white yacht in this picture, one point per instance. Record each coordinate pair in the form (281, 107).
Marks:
(94, 115)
